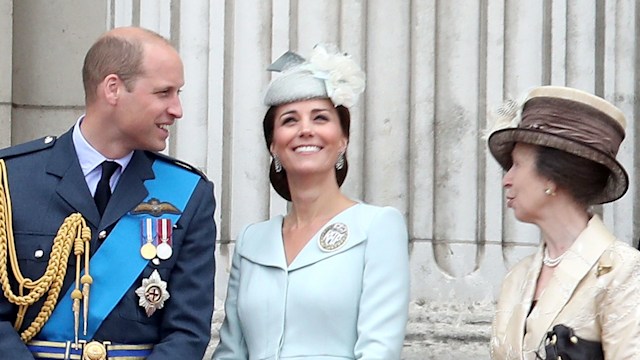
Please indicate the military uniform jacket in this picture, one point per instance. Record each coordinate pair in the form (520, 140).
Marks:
(47, 184)
(595, 290)
(348, 303)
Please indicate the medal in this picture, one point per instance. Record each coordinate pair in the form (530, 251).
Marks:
(153, 293)
(148, 249)
(333, 237)
(164, 249)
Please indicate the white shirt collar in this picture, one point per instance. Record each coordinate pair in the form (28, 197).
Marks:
(88, 156)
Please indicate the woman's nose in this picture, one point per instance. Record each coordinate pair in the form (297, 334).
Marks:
(507, 179)
(306, 128)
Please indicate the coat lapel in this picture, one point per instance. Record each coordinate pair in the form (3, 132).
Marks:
(264, 243)
(312, 253)
(519, 315)
(578, 261)
(130, 190)
(72, 186)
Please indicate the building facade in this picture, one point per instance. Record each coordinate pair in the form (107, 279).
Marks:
(435, 69)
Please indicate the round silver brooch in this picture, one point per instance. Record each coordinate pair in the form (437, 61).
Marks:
(333, 237)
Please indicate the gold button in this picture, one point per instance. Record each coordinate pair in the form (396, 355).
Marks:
(102, 235)
(94, 351)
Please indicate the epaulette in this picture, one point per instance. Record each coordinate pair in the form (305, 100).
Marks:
(28, 147)
(180, 163)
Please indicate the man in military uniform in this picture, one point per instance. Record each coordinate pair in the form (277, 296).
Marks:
(139, 284)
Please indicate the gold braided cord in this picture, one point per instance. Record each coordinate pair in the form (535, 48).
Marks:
(74, 227)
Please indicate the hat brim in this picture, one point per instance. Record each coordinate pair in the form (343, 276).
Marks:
(502, 142)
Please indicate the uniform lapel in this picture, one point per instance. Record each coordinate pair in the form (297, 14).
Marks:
(578, 261)
(130, 190)
(72, 186)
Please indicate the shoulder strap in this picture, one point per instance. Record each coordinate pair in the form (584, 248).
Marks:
(28, 147)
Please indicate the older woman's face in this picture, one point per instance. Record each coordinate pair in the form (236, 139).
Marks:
(524, 186)
(307, 137)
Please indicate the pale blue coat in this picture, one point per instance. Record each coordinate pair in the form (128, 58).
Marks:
(351, 303)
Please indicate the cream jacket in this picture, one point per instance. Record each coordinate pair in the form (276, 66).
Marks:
(595, 290)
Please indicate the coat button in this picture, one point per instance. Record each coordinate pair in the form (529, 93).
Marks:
(48, 139)
(102, 235)
(38, 254)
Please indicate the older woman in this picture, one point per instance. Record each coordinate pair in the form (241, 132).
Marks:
(578, 296)
(329, 280)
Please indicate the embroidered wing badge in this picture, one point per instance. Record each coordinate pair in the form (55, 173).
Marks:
(155, 207)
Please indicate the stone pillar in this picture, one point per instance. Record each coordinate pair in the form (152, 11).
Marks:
(47, 60)
(6, 34)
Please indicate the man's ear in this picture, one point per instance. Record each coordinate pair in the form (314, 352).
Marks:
(110, 87)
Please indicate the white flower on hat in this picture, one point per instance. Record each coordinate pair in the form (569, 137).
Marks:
(343, 78)
(508, 115)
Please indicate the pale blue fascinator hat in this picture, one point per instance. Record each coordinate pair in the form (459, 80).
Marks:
(327, 73)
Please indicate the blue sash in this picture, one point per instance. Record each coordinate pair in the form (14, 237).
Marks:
(118, 263)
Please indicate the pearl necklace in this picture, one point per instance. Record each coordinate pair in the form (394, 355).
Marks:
(547, 260)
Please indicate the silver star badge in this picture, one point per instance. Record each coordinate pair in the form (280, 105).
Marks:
(153, 293)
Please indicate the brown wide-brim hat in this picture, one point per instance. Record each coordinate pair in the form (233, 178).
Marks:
(570, 120)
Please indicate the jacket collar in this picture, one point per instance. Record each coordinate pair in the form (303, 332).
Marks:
(130, 190)
(580, 258)
(263, 243)
(72, 187)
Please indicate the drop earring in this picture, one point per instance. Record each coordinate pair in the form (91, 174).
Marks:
(276, 163)
(340, 162)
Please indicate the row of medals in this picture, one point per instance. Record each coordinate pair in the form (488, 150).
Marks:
(149, 250)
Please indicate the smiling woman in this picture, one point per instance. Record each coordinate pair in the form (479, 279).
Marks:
(315, 283)
(279, 177)
(308, 139)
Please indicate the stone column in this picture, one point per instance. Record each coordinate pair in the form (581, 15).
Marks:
(6, 33)
(48, 52)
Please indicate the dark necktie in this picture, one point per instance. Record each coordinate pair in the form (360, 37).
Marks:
(103, 190)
